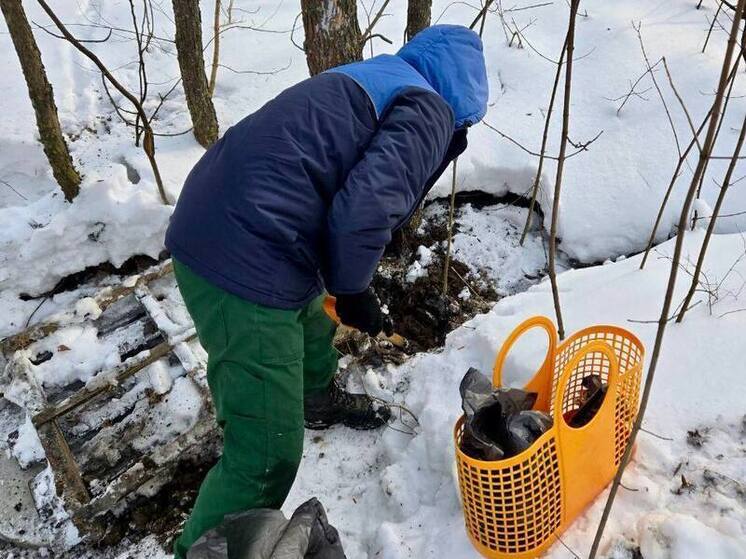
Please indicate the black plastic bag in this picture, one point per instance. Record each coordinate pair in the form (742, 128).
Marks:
(524, 428)
(499, 423)
(589, 402)
(267, 534)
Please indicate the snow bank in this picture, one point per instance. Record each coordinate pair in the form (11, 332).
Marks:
(488, 242)
(110, 221)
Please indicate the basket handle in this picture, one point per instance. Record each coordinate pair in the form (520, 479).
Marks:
(533, 322)
(596, 346)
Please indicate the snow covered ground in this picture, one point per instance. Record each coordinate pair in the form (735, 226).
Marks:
(393, 495)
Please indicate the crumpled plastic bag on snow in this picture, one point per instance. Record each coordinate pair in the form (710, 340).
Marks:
(267, 534)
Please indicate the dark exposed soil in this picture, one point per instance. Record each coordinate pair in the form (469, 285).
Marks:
(420, 310)
(162, 514)
(134, 265)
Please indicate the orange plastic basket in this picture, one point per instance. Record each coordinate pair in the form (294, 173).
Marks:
(515, 508)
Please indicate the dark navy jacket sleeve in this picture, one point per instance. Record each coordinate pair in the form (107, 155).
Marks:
(385, 186)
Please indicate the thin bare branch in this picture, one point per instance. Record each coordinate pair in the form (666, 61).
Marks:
(569, 49)
(481, 13)
(46, 30)
(713, 221)
(542, 155)
(638, 29)
(447, 260)
(675, 176)
(148, 144)
(215, 48)
(366, 34)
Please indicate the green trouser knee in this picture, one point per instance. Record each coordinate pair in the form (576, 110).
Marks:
(261, 361)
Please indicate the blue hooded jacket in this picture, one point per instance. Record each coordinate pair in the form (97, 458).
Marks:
(303, 194)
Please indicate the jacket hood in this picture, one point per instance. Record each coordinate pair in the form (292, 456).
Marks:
(450, 58)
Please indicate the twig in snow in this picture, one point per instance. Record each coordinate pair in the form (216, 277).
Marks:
(681, 102)
(567, 547)
(632, 89)
(663, 321)
(734, 214)
(656, 435)
(569, 49)
(638, 30)
(6, 183)
(582, 146)
(542, 155)
(669, 319)
(712, 25)
(711, 224)
(447, 260)
(468, 285)
(28, 321)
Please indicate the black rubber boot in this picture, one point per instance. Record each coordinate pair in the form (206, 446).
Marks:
(336, 405)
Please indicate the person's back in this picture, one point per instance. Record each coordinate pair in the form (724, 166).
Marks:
(249, 215)
(256, 215)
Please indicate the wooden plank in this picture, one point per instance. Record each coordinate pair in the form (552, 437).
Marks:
(108, 296)
(106, 381)
(69, 482)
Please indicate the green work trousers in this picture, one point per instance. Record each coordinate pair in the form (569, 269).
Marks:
(261, 362)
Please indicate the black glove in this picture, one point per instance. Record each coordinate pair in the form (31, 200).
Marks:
(455, 148)
(363, 312)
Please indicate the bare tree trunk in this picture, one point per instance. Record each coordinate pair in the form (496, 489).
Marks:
(188, 37)
(418, 16)
(332, 33)
(42, 98)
